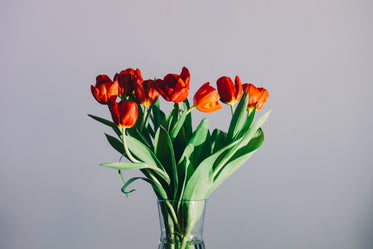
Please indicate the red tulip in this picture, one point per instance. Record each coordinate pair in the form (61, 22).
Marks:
(146, 93)
(206, 99)
(229, 93)
(257, 96)
(124, 113)
(174, 87)
(128, 79)
(105, 90)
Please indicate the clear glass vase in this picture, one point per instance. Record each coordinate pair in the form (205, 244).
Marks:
(181, 224)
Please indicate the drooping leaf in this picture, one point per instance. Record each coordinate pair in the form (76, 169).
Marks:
(126, 166)
(115, 143)
(158, 189)
(108, 123)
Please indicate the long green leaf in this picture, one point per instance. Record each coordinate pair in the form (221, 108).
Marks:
(238, 117)
(198, 140)
(247, 123)
(200, 183)
(175, 130)
(115, 143)
(134, 132)
(188, 121)
(218, 140)
(144, 154)
(240, 157)
(165, 154)
(247, 136)
(126, 166)
(108, 123)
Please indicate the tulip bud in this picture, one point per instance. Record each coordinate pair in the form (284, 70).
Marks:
(229, 93)
(257, 96)
(206, 99)
(124, 113)
(174, 87)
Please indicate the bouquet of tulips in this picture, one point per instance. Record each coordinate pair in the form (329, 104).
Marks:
(179, 162)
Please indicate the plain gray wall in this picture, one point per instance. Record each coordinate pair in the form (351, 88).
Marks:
(309, 187)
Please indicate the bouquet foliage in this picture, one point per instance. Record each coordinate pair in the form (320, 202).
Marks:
(179, 162)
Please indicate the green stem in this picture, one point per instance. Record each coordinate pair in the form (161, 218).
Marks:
(146, 108)
(173, 214)
(180, 108)
(232, 108)
(128, 153)
(190, 109)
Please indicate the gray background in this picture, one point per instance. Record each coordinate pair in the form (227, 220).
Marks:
(310, 185)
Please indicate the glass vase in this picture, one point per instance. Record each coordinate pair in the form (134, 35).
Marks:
(181, 224)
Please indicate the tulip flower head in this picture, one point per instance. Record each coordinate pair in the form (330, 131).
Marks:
(174, 87)
(146, 93)
(206, 99)
(257, 96)
(124, 113)
(105, 90)
(127, 80)
(229, 93)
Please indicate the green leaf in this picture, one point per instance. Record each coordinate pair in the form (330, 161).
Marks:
(156, 115)
(115, 143)
(188, 129)
(165, 153)
(171, 118)
(218, 140)
(179, 123)
(247, 136)
(144, 154)
(238, 117)
(200, 183)
(247, 123)
(108, 123)
(160, 192)
(239, 158)
(198, 140)
(134, 132)
(126, 166)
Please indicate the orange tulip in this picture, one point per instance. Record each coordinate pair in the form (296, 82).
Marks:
(128, 79)
(146, 93)
(105, 90)
(257, 96)
(229, 93)
(206, 99)
(124, 113)
(174, 87)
